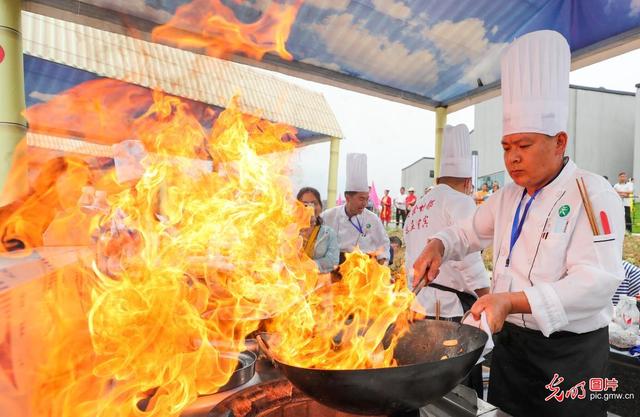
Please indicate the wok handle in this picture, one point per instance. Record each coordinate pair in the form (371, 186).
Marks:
(464, 316)
(264, 347)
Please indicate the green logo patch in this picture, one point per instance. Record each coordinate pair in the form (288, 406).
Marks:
(564, 210)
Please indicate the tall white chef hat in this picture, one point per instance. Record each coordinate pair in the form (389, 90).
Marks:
(456, 152)
(357, 172)
(535, 84)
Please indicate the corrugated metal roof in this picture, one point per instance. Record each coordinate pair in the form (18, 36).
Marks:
(182, 73)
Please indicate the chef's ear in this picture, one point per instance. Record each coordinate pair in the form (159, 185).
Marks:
(561, 142)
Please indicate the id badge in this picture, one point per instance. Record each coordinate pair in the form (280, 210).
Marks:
(502, 283)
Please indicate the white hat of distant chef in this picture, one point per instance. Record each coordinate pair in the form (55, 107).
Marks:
(456, 152)
(535, 84)
(357, 173)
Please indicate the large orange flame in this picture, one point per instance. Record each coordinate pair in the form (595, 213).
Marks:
(213, 27)
(186, 249)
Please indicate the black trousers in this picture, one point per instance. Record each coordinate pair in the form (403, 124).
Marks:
(627, 217)
(524, 363)
(401, 214)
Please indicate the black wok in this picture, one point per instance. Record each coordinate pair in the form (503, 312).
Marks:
(421, 377)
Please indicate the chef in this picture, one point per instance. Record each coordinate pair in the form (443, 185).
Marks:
(459, 282)
(557, 248)
(356, 226)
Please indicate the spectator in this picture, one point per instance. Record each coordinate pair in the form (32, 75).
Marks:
(495, 187)
(385, 211)
(401, 208)
(630, 285)
(625, 191)
(397, 255)
(411, 199)
(320, 241)
(370, 206)
(482, 194)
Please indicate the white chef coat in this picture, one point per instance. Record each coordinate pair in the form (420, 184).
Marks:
(373, 239)
(627, 187)
(442, 207)
(567, 274)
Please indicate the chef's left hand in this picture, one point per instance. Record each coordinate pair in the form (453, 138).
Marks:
(497, 307)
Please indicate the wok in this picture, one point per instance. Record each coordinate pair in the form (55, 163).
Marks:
(421, 376)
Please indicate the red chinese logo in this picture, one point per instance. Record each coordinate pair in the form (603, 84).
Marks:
(1, 54)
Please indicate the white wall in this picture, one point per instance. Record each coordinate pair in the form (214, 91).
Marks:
(600, 128)
(417, 175)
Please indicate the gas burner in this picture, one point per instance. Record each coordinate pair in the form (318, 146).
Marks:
(278, 398)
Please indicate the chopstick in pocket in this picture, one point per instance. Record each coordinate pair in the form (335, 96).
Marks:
(587, 206)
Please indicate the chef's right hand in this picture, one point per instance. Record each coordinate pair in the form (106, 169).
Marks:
(428, 263)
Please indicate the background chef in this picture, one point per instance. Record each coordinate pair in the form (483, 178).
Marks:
(354, 224)
(553, 276)
(459, 283)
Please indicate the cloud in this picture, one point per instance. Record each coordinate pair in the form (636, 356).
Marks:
(320, 63)
(339, 5)
(374, 56)
(465, 44)
(634, 5)
(135, 8)
(393, 8)
(44, 97)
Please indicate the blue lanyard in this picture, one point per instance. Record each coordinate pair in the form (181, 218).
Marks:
(357, 227)
(516, 227)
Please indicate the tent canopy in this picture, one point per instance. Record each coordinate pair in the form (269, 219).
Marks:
(427, 53)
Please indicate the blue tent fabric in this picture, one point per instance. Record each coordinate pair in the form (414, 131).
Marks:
(438, 50)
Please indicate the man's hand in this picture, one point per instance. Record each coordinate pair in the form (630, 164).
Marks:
(428, 263)
(499, 306)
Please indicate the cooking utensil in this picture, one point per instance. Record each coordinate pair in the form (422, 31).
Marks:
(421, 377)
(420, 285)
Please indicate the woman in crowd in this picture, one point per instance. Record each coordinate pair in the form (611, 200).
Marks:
(320, 241)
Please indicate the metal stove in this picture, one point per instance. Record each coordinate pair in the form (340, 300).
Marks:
(268, 394)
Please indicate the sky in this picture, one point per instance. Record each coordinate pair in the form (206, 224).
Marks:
(394, 135)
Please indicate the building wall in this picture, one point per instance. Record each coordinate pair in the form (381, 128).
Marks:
(419, 175)
(600, 128)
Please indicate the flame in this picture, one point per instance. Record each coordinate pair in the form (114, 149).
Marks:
(187, 249)
(343, 326)
(211, 26)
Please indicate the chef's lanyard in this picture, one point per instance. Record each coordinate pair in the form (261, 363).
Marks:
(516, 227)
(358, 227)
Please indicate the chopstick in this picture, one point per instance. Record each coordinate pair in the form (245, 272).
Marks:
(437, 309)
(420, 285)
(587, 206)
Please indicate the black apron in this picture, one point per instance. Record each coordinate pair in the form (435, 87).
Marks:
(524, 361)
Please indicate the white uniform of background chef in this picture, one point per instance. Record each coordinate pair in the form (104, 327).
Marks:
(446, 204)
(354, 224)
(552, 277)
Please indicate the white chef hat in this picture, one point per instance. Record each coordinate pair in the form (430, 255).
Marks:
(456, 152)
(535, 84)
(357, 172)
